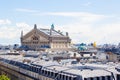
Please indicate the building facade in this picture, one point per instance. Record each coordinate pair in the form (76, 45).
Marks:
(45, 39)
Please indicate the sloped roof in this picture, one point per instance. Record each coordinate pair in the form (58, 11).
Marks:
(47, 32)
(53, 32)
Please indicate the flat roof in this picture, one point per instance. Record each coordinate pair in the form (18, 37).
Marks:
(77, 69)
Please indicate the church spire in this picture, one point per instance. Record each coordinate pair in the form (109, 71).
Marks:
(35, 26)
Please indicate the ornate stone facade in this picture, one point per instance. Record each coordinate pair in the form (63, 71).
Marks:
(45, 38)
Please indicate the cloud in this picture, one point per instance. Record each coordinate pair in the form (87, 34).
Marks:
(87, 28)
(25, 10)
(86, 33)
(71, 14)
(14, 32)
(5, 21)
(108, 33)
(24, 27)
(79, 32)
(81, 16)
(8, 32)
(87, 4)
(92, 27)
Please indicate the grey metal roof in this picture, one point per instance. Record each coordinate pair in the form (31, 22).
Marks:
(53, 32)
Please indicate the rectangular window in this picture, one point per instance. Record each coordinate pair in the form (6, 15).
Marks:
(48, 73)
(118, 77)
(52, 74)
(98, 78)
(85, 78)
(103, 77)
(109, 78)
(91, 78)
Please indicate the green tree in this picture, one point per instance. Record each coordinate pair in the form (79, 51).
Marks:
(3, 77)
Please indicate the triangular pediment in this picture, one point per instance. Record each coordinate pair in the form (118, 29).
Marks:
(35, 32)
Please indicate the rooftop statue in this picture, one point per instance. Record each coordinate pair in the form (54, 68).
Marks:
(52, 26)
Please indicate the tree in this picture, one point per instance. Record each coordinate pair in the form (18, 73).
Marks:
(3, 77)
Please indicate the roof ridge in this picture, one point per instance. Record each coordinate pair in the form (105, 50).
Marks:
(44, 29)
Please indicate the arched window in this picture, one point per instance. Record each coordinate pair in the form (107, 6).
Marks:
(35, 38)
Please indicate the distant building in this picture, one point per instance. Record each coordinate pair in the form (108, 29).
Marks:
(113, 57)
(119, 45)
(6, 47)
(38, 39)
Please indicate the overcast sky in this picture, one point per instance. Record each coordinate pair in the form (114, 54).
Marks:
(85, 20)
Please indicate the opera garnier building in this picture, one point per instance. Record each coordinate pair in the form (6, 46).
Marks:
(41, 39)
